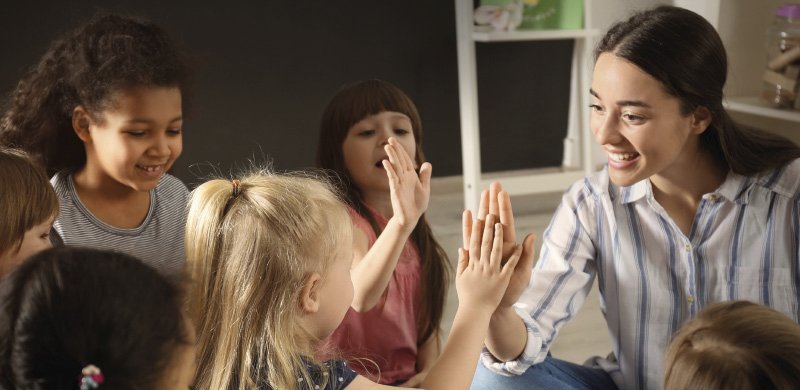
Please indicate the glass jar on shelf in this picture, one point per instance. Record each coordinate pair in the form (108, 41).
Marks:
(782, 76)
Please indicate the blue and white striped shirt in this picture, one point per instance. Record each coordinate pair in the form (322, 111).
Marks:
(743, 244)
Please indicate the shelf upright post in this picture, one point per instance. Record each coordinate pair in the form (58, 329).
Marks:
(584, 48)
(468, 103)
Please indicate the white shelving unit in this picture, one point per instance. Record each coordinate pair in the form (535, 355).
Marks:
(577, 145)
(742, 25)
(755, 106)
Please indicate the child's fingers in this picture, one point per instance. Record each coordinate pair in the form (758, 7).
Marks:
(393, 178)
(425, 173)
(402, 156)
(475, 239)
(497, 247)
(466, 228)
(391, 153)
(486, 240)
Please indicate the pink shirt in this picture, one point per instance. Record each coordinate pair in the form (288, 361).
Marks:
(386, 334)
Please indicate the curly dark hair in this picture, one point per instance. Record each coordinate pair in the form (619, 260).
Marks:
(86, 67)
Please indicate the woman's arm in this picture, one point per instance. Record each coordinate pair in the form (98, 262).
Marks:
(373, 267)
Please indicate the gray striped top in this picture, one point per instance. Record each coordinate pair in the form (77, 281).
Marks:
(158, 241)
(744, 244)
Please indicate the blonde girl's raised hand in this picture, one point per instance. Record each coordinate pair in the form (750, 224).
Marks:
(481, 281)
(482, 276)
(410, 192)
(495, 201)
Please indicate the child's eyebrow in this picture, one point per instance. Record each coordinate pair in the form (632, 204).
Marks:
(623, 103)
(149, 121)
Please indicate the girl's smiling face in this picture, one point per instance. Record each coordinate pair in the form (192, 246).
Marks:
(137, 140)
(639, 125)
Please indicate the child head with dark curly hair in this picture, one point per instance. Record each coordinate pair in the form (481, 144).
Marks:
(103, 112)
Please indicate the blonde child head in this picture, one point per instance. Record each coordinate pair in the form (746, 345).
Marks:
(252, 246)
(28, 206)
(735, 345)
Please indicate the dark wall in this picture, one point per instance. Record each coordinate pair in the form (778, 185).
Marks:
(265, 70)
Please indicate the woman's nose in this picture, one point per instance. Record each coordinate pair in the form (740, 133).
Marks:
(606, 131)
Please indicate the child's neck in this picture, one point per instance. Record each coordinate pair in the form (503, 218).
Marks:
(105, 197)
(381, 202)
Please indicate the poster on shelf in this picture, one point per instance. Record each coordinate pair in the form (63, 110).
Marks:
(546, 14)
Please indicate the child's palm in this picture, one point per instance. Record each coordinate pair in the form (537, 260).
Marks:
(410, 191)
(482, 279)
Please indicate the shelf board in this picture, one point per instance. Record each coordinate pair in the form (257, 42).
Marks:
(754, 105)
(481, 34)
(533, 181)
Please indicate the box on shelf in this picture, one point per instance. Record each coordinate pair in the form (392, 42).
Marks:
(547, 14)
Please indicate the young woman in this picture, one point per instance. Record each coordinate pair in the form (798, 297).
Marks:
(691, 210)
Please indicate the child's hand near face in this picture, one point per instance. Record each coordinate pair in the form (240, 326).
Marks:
(410, 191)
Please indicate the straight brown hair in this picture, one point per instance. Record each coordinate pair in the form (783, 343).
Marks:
(351, 104)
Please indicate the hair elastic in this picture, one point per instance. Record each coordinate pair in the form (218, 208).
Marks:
(91, 377)
(237, 187)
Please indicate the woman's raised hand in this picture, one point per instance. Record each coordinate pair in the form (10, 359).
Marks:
(410, 191)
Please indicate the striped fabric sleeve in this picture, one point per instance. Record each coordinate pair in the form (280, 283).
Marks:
(560, 282)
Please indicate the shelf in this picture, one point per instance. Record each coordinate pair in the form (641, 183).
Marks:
(754, 105)
(544, 180)
(481, 34)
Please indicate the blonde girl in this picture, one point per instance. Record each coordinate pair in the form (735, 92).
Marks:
(396, 259)
(102, 110)
(28, 206)
(735, 345)
(270, 259)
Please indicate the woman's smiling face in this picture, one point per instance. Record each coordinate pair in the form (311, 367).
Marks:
(639, 125)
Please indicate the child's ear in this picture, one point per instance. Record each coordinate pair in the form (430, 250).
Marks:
(309, 295)
(80, 123)
(701, 119)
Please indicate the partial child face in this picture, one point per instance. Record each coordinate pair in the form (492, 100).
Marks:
(34, 241)
(180, 374)
(363, 148)
(138, 139)
(336, 291)
(637, 122)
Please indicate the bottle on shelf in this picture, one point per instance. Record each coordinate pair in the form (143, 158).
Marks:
(782, 76)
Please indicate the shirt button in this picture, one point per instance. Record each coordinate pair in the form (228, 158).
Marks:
(688, 247)
(690, 299)
(712, 197)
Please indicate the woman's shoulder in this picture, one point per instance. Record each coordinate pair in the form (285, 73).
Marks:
(784, 180)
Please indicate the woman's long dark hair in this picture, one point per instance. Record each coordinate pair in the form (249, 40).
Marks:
(351, 104)
(66, 308)
(682, 50)
(85, 68)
